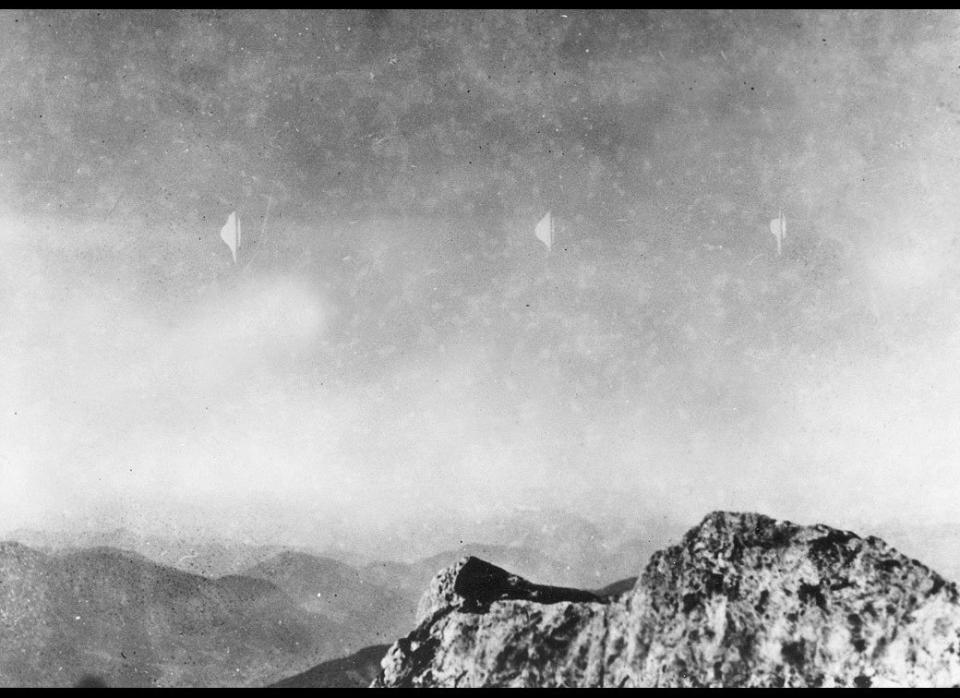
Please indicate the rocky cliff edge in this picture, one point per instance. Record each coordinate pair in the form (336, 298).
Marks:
(742, 600)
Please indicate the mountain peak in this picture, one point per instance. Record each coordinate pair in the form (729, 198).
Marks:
(742, 600)
(731, 542)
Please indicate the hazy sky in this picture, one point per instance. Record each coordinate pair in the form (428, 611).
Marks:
(373, 368)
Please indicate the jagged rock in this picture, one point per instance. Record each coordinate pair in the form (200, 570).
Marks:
(743, 600)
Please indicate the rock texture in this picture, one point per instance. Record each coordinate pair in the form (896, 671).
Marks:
(743, 600)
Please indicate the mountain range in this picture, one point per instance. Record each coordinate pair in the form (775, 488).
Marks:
(82, 608)
(116, 615)
(742, 600)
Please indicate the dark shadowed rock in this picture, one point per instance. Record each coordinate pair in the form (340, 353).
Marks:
(355, 671)
(743, 600)
(481, 583)
(611, 591)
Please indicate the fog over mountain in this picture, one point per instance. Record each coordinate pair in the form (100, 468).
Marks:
(395, 355)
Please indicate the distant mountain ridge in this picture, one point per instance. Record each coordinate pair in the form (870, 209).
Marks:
(743, 600)
(583, 552)
(210, 558)
(376, 612)
(118, 616)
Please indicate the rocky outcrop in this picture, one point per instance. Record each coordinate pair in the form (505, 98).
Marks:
(743, 600)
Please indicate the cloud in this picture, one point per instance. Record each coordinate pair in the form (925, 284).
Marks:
(883, 432)
(111, 391)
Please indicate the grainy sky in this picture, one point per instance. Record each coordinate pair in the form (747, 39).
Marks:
(379, 366)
